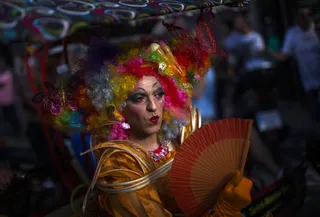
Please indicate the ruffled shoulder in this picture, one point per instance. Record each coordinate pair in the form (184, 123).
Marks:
(124, 155)
(125, 167)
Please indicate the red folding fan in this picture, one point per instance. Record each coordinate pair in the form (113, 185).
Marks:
(206, 161)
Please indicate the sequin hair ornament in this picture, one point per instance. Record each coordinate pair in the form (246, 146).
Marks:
(61, 107)
(110, 76)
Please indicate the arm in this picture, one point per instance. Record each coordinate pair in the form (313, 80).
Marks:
(280, 56)
(259, 45)
(120, 167)
(287, 49)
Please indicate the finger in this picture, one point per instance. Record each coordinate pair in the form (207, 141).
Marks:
(235, 179)
(245, 184)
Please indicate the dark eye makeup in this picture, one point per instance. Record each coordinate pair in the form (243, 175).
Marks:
(159, 93)
(139, 97)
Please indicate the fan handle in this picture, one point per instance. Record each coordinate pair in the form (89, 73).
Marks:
(246, 146)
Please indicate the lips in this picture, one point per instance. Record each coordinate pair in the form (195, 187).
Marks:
(154, 119)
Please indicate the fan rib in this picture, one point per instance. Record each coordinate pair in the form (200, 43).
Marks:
(206, 161)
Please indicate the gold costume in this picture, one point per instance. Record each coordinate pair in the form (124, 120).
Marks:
(130, 184)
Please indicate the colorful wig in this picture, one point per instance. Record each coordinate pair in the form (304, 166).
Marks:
(111, 73)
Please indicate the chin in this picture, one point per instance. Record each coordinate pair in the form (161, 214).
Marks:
(153, 129)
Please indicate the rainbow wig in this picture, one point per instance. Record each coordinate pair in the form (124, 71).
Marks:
(111, 73)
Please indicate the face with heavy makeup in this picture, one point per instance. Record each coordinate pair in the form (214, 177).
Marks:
(144, 107)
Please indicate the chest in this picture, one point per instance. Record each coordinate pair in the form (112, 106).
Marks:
(306, 44)
(248, 41)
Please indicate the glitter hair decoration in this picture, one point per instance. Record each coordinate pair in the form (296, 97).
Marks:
(110, 74)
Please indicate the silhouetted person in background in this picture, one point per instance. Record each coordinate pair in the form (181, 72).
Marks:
(302, 43)
(246, 45)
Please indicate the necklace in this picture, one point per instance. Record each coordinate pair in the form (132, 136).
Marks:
(160, 153)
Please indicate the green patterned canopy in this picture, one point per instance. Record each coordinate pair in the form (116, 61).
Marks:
(51, 20)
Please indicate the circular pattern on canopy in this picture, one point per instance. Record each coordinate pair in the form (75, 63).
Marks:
(48, 20)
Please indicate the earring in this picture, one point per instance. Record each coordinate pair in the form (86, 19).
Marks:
(125, 126)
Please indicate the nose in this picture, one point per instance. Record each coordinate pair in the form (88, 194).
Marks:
(151, 106)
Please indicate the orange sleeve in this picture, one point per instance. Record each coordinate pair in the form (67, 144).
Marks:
(144, 202)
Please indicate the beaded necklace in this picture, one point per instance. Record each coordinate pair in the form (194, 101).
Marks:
(160, 152)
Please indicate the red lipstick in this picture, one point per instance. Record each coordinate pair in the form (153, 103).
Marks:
(154, 119)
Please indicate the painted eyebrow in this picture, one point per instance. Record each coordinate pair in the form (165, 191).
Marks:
(152, 86)
(155, 84)
(142, 89)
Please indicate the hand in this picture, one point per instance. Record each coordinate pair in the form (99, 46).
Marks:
(5, 176)
(237, 192)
